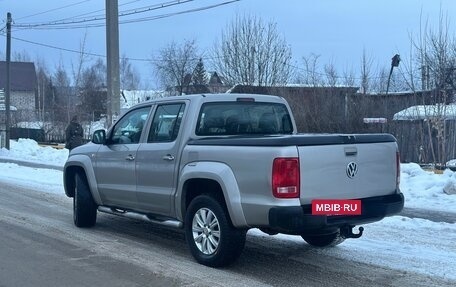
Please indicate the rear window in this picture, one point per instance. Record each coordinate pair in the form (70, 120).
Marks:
(243, 118)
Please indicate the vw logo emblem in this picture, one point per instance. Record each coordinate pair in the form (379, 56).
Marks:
(352, 169)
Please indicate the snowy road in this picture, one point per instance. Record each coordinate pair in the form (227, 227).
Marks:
(396, 252)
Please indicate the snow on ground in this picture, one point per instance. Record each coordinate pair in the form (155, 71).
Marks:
(413, 245)
(400, 243)
(46, 180)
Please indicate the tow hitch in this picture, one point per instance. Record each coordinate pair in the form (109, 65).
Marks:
(347, 231)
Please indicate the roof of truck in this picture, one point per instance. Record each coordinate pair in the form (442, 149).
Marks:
(218, 97)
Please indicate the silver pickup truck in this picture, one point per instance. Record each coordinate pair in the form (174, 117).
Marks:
(218, 165)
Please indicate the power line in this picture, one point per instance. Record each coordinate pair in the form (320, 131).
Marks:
(52, 10)
(88, 13)
(58, 48)
(94, 54)
(103, 16)
(151, 18)
(179, 13)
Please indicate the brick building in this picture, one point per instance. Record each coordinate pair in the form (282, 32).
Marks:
(23, 89)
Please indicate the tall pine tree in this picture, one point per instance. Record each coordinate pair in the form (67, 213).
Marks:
(199, 76)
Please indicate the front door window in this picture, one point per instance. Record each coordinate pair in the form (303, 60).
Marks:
(129, 129)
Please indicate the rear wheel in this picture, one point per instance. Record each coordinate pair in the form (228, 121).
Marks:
(326, 240)
(84, 207)
(212, 239)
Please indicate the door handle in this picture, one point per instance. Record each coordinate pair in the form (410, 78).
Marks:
(168, 157)
(130, 157)
(351, 151)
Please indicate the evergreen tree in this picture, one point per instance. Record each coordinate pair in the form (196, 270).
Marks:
(199, 76)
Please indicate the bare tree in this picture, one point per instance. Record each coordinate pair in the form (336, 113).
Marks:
(366, 72)
(79, 66)
(43, 89)
(62, 93)
(129, 76)
(21, 56)
(310, 75)
(348, 78)
(93, 92)
(434, 66)
(252, 52)
(332, 77)
(175, 63)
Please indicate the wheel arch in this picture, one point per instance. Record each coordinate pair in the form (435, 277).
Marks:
(211, 178)
(83, 165)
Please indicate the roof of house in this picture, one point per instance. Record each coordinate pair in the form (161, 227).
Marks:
(213, 78)
(23, 76)
(295, 89)
(423, 112)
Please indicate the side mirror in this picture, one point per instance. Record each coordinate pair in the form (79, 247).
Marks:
(99, 137)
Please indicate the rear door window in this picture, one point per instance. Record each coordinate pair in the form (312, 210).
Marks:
(166, 123)
(243, 118)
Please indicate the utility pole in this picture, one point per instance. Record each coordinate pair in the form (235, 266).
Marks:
(8, 81)
(112, 52)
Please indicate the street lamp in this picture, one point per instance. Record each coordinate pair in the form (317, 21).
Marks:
(394, 63)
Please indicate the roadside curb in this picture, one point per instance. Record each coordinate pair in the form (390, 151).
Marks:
(30, 164)
(432, 215)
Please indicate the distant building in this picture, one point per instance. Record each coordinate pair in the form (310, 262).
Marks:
(214, 84)
(23, 85)
(23, 88)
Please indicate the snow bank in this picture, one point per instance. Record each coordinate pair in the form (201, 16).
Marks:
(424, 189)
(29, 150)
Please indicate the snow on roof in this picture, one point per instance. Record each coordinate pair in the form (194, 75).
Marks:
(375, 120)
(33, 125)
(297, 85)
(3, 108)
(422, 112)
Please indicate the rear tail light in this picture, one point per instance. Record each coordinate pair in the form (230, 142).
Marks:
(286, 177)
(398, 169)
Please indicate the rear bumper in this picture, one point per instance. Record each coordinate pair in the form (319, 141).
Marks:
(299, 219)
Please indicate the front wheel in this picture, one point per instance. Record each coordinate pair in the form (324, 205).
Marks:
(212, 239)
(326, 240)
(84, 207)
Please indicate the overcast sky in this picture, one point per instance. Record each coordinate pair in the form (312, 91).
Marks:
(337, 30)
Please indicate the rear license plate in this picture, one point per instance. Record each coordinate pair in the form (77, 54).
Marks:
(336, 207)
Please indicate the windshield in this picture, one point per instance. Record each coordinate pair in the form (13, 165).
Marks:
(243, 118)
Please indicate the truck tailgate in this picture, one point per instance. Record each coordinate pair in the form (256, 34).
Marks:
(347, 171)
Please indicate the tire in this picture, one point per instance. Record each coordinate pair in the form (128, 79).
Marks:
(84, 207)
(212, 239)
(326, 240)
